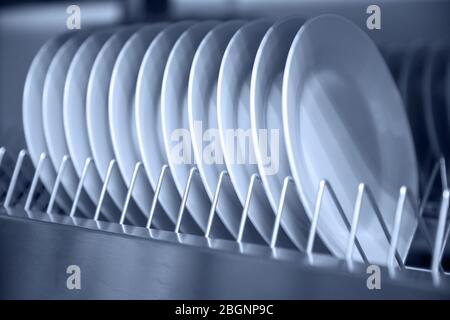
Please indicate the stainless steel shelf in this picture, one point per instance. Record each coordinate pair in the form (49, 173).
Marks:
(119, 262)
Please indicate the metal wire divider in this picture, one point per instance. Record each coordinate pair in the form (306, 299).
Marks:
(394, 261)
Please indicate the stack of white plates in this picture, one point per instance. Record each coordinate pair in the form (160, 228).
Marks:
(309, 99)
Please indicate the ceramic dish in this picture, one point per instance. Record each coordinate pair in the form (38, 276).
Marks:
(121, 113)
(202, 111)
(233, 116)
(148, 114)
(267, 129)
(97, 117)
(344, 121)
(74, 115)
(174, 120)
(32, 114)
(52, 115)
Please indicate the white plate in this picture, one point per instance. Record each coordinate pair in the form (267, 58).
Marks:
(148, 114)
(344, 121)
(174, 118)
(233, 113)
(97, 117)
(52, 115)
(74, 114)
(32, 114)
(202, 111)
(266, 121)
(121, 102)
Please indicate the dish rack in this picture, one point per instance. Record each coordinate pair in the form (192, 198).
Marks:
(39, 241)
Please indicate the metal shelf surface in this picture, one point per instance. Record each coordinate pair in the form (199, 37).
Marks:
(124, 262)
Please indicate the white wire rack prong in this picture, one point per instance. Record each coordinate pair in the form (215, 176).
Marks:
(281, 205)
(439, 239)
(34, 182)
(164, 171)
(439, 167)
(136, 171)
(381, 220)
(55, 189)
(187, 189)
(98, 209)
(445, 241)
(315, 218)
(355, 222)
(396, 229)
(212, 211)
(443, 171)
(14, 178)
(248, 199)
(353, 240)
(86, 167)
